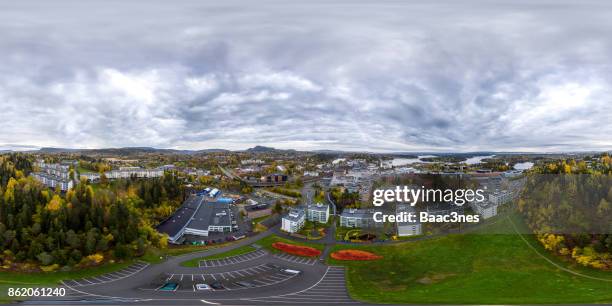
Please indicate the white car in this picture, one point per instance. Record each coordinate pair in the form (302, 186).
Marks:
(289, 271)
(202, 287)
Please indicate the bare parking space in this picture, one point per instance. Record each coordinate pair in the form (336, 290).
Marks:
(108, 277)
(252, 277)
(331, 289)
(232, 260)
(297, 259)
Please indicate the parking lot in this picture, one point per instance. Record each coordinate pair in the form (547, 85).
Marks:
(257, 276)
(108, 277)
(330, 289)
(296, 259)
(211, 263)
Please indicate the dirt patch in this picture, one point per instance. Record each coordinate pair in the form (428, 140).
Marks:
(433, 278)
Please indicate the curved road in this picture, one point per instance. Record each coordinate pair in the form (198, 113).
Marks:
(316, 284)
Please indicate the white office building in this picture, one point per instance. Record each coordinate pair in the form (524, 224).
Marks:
(318, 212)
(361, 218)
(408, 228)
(486, 209)
(500, 197)
(293, 221)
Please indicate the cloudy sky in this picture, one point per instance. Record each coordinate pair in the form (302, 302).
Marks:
(351, 75)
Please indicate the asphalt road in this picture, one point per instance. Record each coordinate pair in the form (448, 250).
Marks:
(140, 283)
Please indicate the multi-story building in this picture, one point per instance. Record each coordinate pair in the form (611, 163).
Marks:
(55, 175)
(486, 209)
(406, 228)
(128, 172)
(293, 221)
(90, 176)
(361, 218)
(53, 181)
(318, 212)
(501, 197)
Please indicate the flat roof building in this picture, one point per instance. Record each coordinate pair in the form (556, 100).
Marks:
(318, 212)
(198, 217)
(406, 228)
(211, 217)
(486, 209)
(294, 220)
(361, 218)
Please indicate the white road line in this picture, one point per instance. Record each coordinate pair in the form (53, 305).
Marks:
(237, 272)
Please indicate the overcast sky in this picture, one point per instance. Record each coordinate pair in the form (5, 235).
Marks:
(350, 75)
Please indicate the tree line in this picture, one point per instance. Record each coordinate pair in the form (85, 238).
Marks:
(567, 204)
(43, 228)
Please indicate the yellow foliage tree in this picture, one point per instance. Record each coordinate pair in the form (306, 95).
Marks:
(55, 203)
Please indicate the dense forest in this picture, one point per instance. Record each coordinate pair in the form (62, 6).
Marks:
(568, 206)
(45, 229)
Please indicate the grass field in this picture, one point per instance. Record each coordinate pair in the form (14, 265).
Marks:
(194, 263)
(471, 269)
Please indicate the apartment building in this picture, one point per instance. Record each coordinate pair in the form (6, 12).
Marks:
(55, 175)
(318, 212)
(361, 218)
(406, 228)
(293, 221)
(486, 209)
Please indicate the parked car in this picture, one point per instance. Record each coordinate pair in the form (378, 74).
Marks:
(169, 287)
(202, 287)
(291, 271)
(217, 286)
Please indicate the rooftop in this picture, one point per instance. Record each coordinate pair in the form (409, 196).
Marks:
(211, 213)
(295, 214)
(318, 207)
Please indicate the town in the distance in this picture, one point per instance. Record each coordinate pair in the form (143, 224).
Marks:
(229, 195)
(144, 225)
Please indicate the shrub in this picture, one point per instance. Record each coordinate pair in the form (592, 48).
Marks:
(354, 255)
(296, 249)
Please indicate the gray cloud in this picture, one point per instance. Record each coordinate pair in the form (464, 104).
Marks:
(383, 76)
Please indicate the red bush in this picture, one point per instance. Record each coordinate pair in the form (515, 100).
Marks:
(296, 249)
(354, 255)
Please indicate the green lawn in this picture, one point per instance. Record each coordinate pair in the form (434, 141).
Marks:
(470, 269)
(83, 170)
(258, 220)
(235, 252)
(268, 241)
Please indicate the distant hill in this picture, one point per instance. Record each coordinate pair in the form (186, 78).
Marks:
(261, 149)
(57, 150)
(213, 151)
